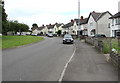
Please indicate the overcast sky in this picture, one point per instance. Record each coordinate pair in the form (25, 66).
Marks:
(52, 11)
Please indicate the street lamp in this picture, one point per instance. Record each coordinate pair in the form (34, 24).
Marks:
(79, 19)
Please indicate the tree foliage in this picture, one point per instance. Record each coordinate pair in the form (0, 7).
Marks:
(4, 21)
(34, 26)
(14, 26)
(59, 32)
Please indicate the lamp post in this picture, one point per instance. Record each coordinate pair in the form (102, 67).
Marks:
(79, 19)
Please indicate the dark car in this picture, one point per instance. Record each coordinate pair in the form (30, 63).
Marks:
(68, 39)
(99, 35)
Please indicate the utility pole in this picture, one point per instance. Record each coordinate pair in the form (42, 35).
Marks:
(79, 19)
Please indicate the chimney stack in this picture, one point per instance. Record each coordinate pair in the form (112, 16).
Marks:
(72, 20)
(81, 18)
(93, 12)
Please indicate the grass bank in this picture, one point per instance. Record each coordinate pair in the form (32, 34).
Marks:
(14, 41)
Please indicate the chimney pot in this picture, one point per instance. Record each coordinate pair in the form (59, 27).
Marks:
(81, 17)
(93, 11)
(72, 20)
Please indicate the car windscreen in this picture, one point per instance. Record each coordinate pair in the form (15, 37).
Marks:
(67, 36)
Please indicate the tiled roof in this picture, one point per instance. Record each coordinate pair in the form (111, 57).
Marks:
(50, 26)
(102, 14)
(117, 15)
(40, 28)
(95, 15)
(58, 24)
(68, 25)
(82, 21)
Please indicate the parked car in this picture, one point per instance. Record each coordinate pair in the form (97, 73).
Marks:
(50, 35)
(68, 39)
(99, 35)
(118, 34)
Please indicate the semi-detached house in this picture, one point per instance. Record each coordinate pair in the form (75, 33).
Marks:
(115, 24)
(99, 23)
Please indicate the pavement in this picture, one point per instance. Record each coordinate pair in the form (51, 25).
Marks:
(88, 64)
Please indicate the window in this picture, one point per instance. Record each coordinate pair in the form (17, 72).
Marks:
(91, 24)
(117, 21)
(112, 22)
(108, 25)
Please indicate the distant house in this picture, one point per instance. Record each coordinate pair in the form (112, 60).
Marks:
(50, 28)
(58, 26)
(70, 28)
(38, 30)
(83, 25)
(115, 24)
(45, 30)
(99, 23)
(66, 27)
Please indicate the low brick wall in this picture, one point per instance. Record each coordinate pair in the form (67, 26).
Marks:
(98, 43)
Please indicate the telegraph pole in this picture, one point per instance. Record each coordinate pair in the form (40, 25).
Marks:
(78, 19)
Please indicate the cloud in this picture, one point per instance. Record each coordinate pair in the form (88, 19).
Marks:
(51, 11)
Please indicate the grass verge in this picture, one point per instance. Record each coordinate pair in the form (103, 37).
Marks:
(14, 41)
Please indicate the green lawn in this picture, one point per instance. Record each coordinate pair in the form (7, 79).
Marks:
(0, 41)
(13, 41)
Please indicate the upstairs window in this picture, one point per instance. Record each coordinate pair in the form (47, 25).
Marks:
(117, 21)
(91, 24)
(112, 22)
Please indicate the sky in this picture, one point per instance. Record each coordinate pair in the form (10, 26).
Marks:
(52, 11)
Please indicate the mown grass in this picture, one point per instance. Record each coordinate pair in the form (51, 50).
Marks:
(14, 41)
(114, 44)
(0, 41)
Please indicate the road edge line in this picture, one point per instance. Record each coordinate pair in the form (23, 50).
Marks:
(66, 65)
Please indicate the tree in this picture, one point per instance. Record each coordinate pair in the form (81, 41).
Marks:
(23, 28)
(59, 32)
(5, 27)
(15, 27)
(34, 26)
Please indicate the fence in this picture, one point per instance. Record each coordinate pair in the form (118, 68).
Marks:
(109, 46)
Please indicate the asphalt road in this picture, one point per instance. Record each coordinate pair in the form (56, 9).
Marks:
(43, 61)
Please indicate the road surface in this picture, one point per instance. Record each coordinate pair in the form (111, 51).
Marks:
(43, 61)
